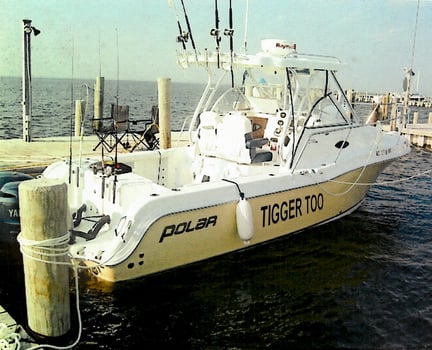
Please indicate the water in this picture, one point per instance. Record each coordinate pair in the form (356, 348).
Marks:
(52, 103)
(361, 282)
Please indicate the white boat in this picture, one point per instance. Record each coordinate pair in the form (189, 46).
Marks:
(278, 153)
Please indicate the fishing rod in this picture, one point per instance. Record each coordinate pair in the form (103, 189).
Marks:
(83, 113)
(230, 32)
(71, 115)
(117, 119)
(189, 29)
(215, 32)
(292, 114)
(183, 36)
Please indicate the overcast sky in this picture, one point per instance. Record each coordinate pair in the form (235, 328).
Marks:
(374, 37)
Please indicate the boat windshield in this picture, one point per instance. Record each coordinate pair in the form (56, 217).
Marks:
(313, 96)
(318, 97)
(231, 100)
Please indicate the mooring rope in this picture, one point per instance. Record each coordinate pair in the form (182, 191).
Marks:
(48, 248)
(52, 248)
(9, 339)
(55, 248)
(357, 183)
(374, 146)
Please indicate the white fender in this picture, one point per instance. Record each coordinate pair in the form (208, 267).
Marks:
(245, 225)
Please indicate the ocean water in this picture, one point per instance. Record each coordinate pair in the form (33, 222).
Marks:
(363, 282)
(52, 101)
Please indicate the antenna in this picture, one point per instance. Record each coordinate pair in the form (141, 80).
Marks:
(246, 25)
(409, 71)
(415, 35)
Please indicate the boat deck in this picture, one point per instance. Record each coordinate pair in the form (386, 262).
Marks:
(25, 340)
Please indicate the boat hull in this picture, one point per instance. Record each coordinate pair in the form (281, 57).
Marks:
(188, 236)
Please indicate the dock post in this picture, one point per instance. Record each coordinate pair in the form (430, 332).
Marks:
(415, 118)
(80, 106)
(385, 103)
(98, 102)
(350, 97)
(44, 243)
(393, 113)
(430, 118)
(164, 98)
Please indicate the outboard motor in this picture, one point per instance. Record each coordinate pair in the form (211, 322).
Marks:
(9, 203)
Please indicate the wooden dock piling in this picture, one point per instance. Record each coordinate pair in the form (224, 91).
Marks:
(98, 102)
(80, 106)
(44, 243)
(164, 99)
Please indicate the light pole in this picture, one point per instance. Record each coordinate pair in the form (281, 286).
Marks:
(27, 91)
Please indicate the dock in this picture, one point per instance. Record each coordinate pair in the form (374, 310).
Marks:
(32, 157)
(18, 155)
(419, 135)
(14, 332)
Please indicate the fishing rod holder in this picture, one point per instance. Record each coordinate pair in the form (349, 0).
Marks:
(183, 37)
(229, 32)
(214, 32)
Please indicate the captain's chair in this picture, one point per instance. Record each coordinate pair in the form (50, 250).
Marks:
(257, 154)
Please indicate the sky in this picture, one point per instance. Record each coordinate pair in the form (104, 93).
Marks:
(136, 39)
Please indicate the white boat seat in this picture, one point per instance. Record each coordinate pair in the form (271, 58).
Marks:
(207, 133)
(231, 138)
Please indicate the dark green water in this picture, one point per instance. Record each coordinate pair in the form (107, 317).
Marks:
(360, 282)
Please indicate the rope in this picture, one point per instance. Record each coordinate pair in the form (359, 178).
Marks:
(9, 340)
(75, 343)
(352, 184)
(375, 183)
(51, 248)
(384, 183)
